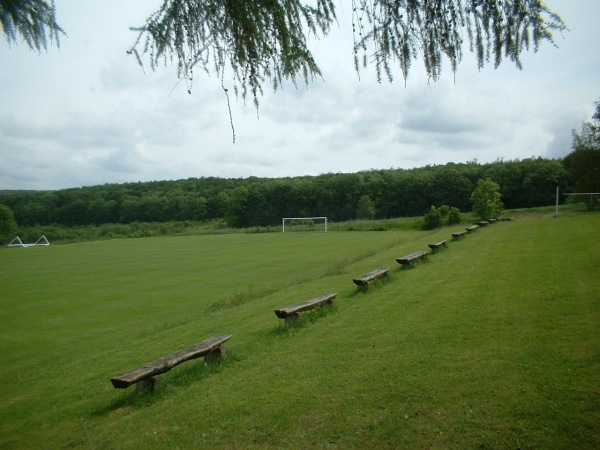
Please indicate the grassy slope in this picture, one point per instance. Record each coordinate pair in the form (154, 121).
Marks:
(493, 342)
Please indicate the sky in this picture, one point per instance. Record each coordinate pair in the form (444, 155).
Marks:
(86, 113)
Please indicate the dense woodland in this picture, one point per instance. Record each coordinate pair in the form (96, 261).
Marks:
(247, 202)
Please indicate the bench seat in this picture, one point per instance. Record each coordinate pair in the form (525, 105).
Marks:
(407, 259)
(366, 278)
(472, 228)
(458, 234)
(438, 244)
(290, 313)
(144, 376)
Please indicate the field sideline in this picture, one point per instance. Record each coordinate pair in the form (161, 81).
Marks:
(493, 342)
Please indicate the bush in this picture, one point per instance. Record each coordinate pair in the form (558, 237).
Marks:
(432, 219)
(437, 217)
(453, 216)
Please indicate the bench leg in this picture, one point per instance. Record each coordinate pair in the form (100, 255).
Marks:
(291, 318)
(217, 353)
(146, 385)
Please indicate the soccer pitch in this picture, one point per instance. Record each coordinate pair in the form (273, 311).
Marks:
(491, 342)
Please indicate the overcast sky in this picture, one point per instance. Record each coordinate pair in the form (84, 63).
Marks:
(87, 114)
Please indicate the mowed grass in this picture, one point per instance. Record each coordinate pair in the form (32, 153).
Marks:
(493, 342)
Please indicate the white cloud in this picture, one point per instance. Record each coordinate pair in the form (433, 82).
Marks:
(88, 114)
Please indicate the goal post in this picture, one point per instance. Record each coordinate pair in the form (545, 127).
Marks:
(302, 221)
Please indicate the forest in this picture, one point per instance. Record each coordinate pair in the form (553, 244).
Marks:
(248, 202)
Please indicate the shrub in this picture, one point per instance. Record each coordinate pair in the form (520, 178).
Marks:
(453, 216)
(432, 219)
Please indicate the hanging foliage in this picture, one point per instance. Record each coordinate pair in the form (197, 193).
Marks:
(33, 20)
(259, 40)
(265, 41)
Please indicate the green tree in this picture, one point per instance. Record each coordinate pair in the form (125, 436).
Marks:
(541, 181)
(365, 209)
(8, 226)
(33, 20)
(486, 199)
(217, 205)
(451, 187)
(199, 208)
(237, 208)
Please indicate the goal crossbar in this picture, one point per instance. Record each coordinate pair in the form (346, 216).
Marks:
(302, 218)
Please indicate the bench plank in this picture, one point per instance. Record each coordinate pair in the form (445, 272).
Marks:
(407, 259)
(162, 365)
(438, 244)
(366, 278)
(282, 313)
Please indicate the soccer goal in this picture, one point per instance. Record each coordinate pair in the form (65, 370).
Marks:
(574, 195)
(16, 242)
(304, 224)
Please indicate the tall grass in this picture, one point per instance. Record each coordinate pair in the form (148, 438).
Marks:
(490, 343)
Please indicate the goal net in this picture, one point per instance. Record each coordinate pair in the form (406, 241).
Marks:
(304, 224)
(16, 242)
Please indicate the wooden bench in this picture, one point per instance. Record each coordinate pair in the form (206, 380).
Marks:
(436, 245)
(458, 234)
(291, 313)
(483, 223)
(366, 278)
(472, 228)
(145, 377)
(407, 259)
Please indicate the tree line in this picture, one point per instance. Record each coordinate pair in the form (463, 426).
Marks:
(247, 202)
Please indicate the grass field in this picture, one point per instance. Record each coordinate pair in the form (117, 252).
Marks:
(493, 342)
